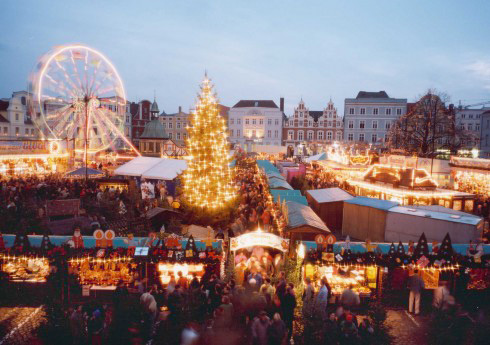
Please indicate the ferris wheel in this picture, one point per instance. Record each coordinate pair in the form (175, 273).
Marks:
(77, 94)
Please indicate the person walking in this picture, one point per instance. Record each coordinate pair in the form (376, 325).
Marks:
(415, 285)
(349, 298)
(308, 299)
(277, 331)
(288, 305)
(260, 326)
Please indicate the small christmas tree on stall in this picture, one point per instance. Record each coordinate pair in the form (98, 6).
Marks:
(422, 248)
(446, 249)
(400, 251)
(207, 182)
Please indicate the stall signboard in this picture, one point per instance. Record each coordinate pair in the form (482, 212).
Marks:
(13, 147)
(260, 239)
(431, 279)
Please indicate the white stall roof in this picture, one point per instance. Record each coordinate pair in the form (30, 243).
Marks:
(167, 169)
(329, 195)
(137, 166)
(464, 219)
(152, 168)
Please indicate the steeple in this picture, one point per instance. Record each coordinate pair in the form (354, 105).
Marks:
(154, 107)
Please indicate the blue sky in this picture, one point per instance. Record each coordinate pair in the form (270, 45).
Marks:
(262, 49)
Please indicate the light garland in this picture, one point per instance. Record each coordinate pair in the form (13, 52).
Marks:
(208, 178)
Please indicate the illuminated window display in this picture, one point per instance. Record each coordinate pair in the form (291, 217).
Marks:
(103, 272)
(362, 278)
(25, 269)
(166, 270)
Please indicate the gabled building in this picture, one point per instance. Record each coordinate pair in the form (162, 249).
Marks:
(15, 119)
(155, 142)
(307, 126)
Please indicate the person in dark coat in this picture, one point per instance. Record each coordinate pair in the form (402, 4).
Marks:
(277, 331)
(287, 306)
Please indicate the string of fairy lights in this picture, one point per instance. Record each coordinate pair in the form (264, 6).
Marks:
(208, 178)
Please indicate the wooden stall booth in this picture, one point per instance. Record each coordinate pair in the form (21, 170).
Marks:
(328, 204)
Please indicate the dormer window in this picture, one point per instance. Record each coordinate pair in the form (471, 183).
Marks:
(256, 104)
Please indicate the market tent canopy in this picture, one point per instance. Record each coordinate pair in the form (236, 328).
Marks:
(259, 239)
(299, 215)
(296, 198)
(275, 174)
(82, 172)
(136, 166)
(319, 157)
(166, 169)
(279, 184)
(329, 195)
(266, 166)
(276, 192)
(152, 168)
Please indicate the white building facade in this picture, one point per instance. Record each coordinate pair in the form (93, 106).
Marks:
(256, 122)
(369, 116)
(15, 121)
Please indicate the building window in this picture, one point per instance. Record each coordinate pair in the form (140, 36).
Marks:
(276, 133)
(231, 132)
(254, 121)
(388, 125)
(319, 135)
(362, 124)
(310, 135)
(178, 125)
(374, 138)
(351, 111)
(32, 131)
(170, 125)
(232, 121)
(237, 132)
(363, 111)
(276, 122)
(247, 121)
(375, 124)
(361, 136)
(5, 130)
(27, 131)
(16, 117)
(470, 116)
(398, 111)
(269, 133)
(261, 121)
(300, 135)
(350, 137)
(290, 135)
(388, 111)
(477, 127)
(239, 121)
(351, 124)
(170, 135)
(269, 121)
(16, 130)
(470, 126)
(375, 111)
(290, 122)
(164, 125)
(254, 133)
(339, 135)
(329, 135)
(185, 135)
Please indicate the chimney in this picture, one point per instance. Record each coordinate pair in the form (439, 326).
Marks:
(180, 109)
(281, 104)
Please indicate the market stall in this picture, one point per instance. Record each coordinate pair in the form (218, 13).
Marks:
(328, 204)
(302, 223)
(25, 268)
(408, 186)
(24, 157)
(258, 252)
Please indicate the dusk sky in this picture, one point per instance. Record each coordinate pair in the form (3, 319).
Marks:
(262, 49)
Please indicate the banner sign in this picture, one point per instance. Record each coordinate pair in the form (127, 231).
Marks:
(30, 146)
(259, 239)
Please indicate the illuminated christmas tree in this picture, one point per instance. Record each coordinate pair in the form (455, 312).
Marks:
(208, 178)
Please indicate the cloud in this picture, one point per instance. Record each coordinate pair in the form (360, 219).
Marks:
(480, 69)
